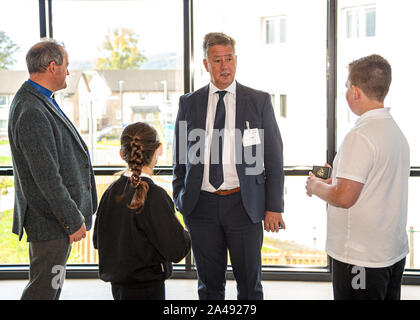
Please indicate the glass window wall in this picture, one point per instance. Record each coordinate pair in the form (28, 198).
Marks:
(277, 55)
(126, 64)
(14, 41)
(371, 21)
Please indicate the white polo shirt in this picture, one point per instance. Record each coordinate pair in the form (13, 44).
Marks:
(372, 233)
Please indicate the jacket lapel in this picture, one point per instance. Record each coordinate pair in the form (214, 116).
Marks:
(202, 102)
(200, 118)
(241, 111)
(241, 107)
(59, 115)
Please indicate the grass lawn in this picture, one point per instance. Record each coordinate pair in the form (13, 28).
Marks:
(5, 161)
(12, 250)
(109, 143)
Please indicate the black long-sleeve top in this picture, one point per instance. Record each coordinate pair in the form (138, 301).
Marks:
(140, 247)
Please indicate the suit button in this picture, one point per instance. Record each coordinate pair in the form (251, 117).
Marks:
(87, 166)
(65, 225)
(89, 187)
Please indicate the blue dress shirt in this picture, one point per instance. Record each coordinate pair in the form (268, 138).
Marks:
(47, 93)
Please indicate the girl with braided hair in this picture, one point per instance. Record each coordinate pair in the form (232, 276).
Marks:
(136, 231)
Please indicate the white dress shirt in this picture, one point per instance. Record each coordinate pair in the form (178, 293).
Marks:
(230, 176)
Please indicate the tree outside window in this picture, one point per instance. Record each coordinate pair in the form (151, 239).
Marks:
(7, 49)
(120, 51)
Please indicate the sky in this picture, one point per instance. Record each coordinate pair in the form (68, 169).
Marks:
(82, 25)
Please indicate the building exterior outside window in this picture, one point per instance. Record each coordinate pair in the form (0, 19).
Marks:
(360, 22)
(274, 30)
(283, 105)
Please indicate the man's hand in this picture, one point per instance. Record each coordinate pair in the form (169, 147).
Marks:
(329, 180)
(272, 221)
(311, 182)
(343, 194)
(78, 235)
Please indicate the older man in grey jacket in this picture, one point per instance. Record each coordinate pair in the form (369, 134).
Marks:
(54, 182)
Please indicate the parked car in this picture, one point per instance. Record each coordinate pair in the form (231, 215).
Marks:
(109, 133)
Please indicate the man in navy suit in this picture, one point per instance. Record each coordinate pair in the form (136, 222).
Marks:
(228, 174)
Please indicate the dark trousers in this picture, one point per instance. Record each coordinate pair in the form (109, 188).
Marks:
(219, 224)
(360, 283)
(140, 291)
(47, 269)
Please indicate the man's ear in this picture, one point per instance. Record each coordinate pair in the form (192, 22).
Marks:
(121, 155)
(206, 64)
(357, 92)
(159, 150)
(52, 66)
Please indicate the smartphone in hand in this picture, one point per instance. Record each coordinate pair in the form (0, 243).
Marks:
(321, 172)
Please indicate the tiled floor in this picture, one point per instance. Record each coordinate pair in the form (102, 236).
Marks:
(94, 289)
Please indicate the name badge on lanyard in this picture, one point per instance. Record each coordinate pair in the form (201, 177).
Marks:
(251, 136)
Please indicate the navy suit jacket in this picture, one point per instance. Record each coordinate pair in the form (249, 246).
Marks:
(261, 190)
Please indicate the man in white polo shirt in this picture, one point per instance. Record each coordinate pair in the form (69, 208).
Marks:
(367, 194)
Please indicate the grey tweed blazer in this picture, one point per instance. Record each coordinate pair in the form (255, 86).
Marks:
(55, 188)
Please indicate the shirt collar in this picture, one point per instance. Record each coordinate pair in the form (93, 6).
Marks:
(230, 89)
(380, 113)
(43, 90)
(128, 173)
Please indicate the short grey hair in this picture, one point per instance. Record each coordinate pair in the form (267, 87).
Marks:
(43, 53)
(217, 38)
